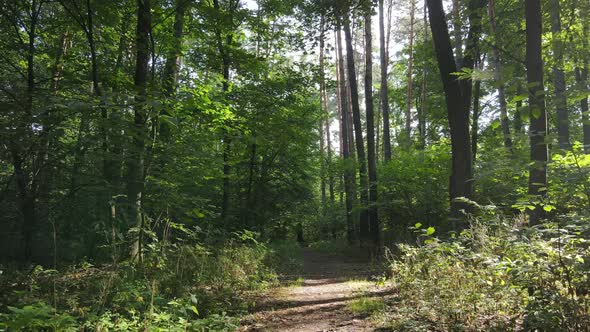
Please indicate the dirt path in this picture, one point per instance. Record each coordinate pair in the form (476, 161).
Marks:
(318, 302)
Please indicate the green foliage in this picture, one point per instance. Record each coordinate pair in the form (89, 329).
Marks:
(365, 306)
(415, 188)
(495, 276)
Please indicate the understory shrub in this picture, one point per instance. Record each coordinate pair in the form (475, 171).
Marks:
(179, 287)
(495, 276)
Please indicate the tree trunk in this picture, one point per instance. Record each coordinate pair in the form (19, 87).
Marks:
(538, 126)
(135, 184)
(384, 89)
(321, 124)
(358, 133)
(499, 80)
(410, 86)
(172, 65)
(346, 148)
(423, 99)
(457, 33)
(458, 113)
(372, 163)
(582, 80)
(563, 135)
(227, 139)
(475, 118)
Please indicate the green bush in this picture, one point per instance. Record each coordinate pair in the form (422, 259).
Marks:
(497, 277)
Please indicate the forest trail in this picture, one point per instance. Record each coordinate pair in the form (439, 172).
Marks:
(318, 300)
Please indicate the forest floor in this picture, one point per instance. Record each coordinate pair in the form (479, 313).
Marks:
(318, 300)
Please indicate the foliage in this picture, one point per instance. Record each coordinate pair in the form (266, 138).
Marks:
(495, 276)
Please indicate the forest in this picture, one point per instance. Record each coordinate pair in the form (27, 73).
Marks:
(294, 165)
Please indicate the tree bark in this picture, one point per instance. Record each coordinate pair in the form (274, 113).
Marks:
(346, 148)
(358, 133)
(384, 91)
(136, 176)
(538, 116)
(563, 135)
(372, 163)
(458, 112)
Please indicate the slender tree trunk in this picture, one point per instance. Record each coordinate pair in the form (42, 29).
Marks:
(384, 88)
(563, 134)
(582, 80)
(372, 163)
(358, 132)
(458, 112)
(423, 99)
(476, 114)
(457, 33)
(538, 116)
(499, 80)
(135, 184)
(346, 147)
(227, 140)
(172, 65)
(410, 77)
(517, 112)
(321, 124)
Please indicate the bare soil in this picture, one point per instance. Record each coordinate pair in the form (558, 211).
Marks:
(318, 301)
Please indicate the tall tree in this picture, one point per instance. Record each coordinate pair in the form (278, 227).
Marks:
(458, 113)
(384, 95)
(422, 109)
(346, 146)
(498, 77)
(410, 78)
(563, 134)
(582, 76)
(371, 160)
(358, 130)
(538, 116)
(136, 161)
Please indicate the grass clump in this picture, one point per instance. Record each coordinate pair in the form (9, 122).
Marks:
(366, 306)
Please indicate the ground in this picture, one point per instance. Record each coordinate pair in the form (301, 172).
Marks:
(319, 299)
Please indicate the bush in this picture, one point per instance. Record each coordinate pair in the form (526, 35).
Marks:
(497, 277)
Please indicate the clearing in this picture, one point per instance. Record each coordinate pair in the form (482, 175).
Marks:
(317, 301)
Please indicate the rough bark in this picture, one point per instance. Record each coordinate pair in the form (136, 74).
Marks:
(538, 126)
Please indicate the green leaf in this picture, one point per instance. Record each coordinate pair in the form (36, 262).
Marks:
(430, 230)
(194, 309)
(418, 225)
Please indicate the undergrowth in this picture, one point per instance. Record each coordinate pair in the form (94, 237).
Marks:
(495, 276)
(179, 287)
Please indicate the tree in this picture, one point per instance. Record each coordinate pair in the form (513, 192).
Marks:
(538, 126)
(372, 163)
(136, 161)
(498, 77)
(384, 95)
(346, 146)
(358, 131)
(563, 135)
(458, 112)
